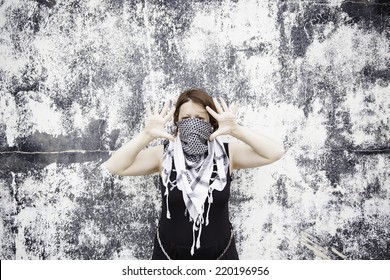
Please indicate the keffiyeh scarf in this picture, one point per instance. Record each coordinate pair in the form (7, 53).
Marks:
(194, 136)
(194, 157)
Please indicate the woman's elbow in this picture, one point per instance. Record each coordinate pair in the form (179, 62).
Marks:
(278, 154)
(110, 168)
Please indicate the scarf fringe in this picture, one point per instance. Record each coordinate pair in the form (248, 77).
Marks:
(198, 239)
(166, 193)
(210, 200)
(196, 226)
(193, 239)
(166, 196)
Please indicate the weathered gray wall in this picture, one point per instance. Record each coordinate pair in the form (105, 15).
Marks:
(75, 76)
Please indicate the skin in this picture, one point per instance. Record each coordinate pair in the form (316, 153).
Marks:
(253, 149)
(191, 109)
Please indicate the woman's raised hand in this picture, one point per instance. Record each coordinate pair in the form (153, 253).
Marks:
(226, 117)
(155, 121)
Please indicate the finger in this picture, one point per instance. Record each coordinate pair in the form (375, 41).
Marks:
(156, 106)
(168, 136)
(219, 108)
(214, 135)
(165, 108)
(224, 105)
(212, 112)
(169, 115)
(148, 110)
(234, 107)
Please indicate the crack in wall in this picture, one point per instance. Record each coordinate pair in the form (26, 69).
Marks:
(370, 151)
(382, 150)
(56, 152)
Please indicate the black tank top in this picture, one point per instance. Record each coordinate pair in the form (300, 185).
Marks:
(178, 229)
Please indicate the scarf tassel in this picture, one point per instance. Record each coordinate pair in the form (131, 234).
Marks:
(174, 183)
(196, 240)
(193, 238)
(210, 200)
(167, 202)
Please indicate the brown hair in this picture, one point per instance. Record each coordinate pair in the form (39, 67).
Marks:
(199, 97)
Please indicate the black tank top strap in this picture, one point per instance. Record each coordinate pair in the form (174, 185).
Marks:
(226, 146)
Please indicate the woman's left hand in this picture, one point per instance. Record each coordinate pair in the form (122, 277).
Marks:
(226, 117)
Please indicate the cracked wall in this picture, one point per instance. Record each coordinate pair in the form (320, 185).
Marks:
(75, 76)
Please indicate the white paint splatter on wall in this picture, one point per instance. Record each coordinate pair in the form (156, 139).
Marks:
(313, 74)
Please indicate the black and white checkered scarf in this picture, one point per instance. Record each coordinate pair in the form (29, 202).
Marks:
(194, 171)
(194, 135)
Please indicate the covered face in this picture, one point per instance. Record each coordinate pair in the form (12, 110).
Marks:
(194, 135)
(192, 103)
(194, 130)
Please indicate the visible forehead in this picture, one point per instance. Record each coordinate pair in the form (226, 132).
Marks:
(190, 107)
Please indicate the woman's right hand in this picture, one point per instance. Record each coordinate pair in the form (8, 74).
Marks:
(155, 121)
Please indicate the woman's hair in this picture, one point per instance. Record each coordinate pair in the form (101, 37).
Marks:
(197, 96)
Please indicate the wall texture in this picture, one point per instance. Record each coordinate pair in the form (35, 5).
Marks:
(74, 78)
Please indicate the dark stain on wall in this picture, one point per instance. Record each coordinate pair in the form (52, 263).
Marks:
(47, 3)
(374, 75)
(13, 161)
(368, 234)
(373, 14)
(42, 142)
(279, 195)
(41, 149)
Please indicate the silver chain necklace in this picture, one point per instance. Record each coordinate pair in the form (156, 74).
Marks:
(169, 258)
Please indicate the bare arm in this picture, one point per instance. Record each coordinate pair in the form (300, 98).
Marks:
(132, 158)
(255, 149)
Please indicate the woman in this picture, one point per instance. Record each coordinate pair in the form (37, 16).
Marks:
(194, 172)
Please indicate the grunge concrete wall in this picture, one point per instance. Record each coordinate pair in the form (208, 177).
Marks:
(74, 78)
